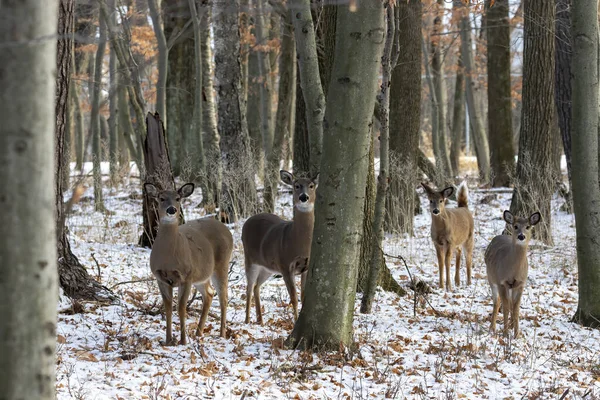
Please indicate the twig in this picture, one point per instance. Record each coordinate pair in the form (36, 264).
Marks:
(414, 285)
(126, 282)
(97, 266)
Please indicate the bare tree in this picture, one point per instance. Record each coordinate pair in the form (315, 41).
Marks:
(586, 192)
(28, 288)
(95, 128)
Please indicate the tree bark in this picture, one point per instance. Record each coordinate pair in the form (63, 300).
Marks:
(163, 61)
(287, 70)
(586, 193)
(113, 122)
(502, 151)
(210, 134)
(534, 183)
(238, 194)
(477, 130)
(301, 149)
(325, 321)
(28, 287)
(442, 158)
(458, 117)
(405, 120)
(564, 77)
(95, 119)
(265, 88)
(308, 70)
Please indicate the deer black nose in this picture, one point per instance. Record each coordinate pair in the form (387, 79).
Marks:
(520, 236)
(436, 211)
(171, 210)
(303, 197)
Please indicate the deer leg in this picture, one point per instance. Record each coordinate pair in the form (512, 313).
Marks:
(262, 277)
(448, 261)
(503, 291)
(495, 307)
(516, 309)
(288, 278)
(221, 286)
(457, 267)
(468, 248)
(251, 275)
(184, 294)
(440, 257)
(166, 293)
(207, 296)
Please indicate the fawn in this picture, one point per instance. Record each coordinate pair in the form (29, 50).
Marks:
(507, 268)
(273, 245)
(186, 255)
(451, 228)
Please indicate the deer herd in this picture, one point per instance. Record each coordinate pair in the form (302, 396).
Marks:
(198, 252)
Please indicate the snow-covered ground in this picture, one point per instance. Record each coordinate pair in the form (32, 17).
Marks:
(444, 351)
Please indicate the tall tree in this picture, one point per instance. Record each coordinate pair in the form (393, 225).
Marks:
(238, 194)
(113, 98)
(534, 183)
(458, 116)
(327, 313)
(502, 150)
(163, 60)
(310, 81)
(28, 288)
(405, 119)
(210, 134)
(477, 129)
(586, 192)
(95, 128)
(564, 76)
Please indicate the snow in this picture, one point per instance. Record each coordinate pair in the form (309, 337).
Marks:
(444, 351)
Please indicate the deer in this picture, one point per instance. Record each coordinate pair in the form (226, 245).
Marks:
(451, 228)
(507, 269)
(276, 246)
(195, 253)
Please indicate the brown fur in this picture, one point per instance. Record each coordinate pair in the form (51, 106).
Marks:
(273, 245)
(507, 269)
(191, 254)
(451, 228)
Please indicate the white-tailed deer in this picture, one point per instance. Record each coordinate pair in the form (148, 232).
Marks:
(186, 255)
(507, 268)
(451, 228)
(273, 245)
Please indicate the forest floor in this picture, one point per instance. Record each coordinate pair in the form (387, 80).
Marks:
(445, 350)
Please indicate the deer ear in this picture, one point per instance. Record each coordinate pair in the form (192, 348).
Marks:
(286, 177)
(448, 192)
(427, 188)
(151, 189)
(508, 217)
(315, 180)
(186, 190)
(535, 218)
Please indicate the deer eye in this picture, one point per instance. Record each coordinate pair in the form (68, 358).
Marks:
(516, 227)
(297, 187)
(528, 226)
(178, 199)
(162, 199)
(311, 186)
(441, 200)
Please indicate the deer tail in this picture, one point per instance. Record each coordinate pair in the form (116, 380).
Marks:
(463, 195)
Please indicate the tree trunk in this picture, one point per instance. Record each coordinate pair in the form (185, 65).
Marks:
(287, 70)
(301, 149)
(238, 199)
(326, 42)
(586, 193)
(210, 134)
(158, 173)
(325, 321)
(163, 61)
(180, 77)
(405, 120)
(564, 76)
(534, 181)
(197, 152)
(95, 120)
(113, 122)
(442, 158)
(477, 129)
(253, 111)
(264, 86)
(502, 151)
(28, 288)
(308, 68)
(128, 133)
(458, 117)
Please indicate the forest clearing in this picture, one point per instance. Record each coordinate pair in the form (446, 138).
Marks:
(445, 351)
